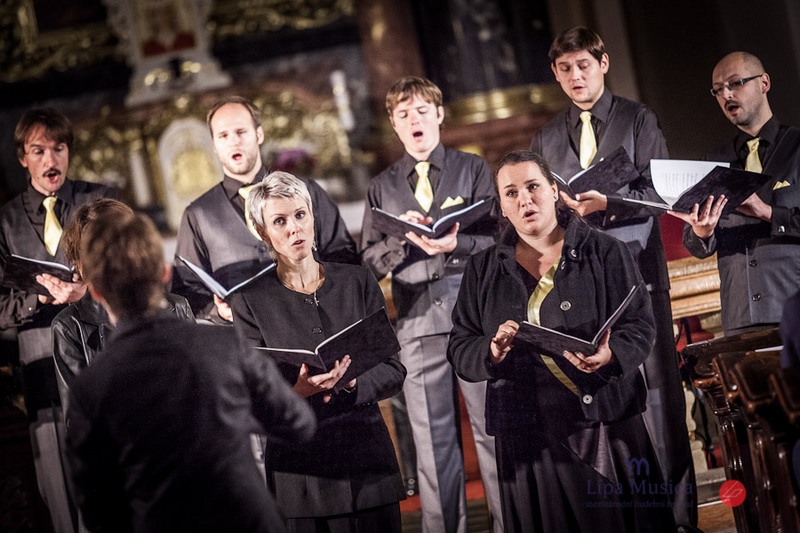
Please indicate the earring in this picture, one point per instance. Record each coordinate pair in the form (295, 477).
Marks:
(504, 214)
(555, 197)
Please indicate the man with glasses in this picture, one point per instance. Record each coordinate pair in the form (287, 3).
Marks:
(758, 246)
(594, 125)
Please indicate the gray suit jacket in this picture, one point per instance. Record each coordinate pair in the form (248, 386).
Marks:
(22, 310)
(633, 126)
(759, 262)
(424, 288)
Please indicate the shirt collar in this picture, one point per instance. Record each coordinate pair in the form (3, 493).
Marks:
(34, 198)
(600, 110)
(769, 133)
(232, 186)
(436, 159)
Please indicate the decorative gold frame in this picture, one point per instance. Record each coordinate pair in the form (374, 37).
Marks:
(505, 103)
(25, 52)
(237, 17)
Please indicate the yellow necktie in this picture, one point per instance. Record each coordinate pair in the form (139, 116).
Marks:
(423, 192)
(244, 192)
(588, 142)
(541, 291)
(753, 163)
(52, 228)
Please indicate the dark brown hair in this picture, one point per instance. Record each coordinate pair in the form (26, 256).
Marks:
(56, 126)
(527, 156)
(577, 39)
(88, 212)
(123, 260)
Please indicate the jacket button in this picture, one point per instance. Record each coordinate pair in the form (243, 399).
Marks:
(753, 263)
(566, 306)
(308, 301)
(756, 297)
(455, 261)
(434, 276)
(612, 218)
(573, 253)
(437, 301)
(781, 229)
(587, 399)
(316, 330)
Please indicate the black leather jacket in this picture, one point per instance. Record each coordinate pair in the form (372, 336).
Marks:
(81, 331)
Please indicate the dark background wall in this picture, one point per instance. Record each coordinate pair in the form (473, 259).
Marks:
(662, 53)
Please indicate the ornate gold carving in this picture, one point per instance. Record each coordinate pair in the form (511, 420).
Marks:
(242, 17)
(314, 127)
(694, 286)
(101, 155)
(294, 121)
(194, 172)
(505, 103)
(25, 52)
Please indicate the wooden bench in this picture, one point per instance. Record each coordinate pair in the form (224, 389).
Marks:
(757, 407)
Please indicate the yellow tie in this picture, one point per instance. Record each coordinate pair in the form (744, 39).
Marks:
(423, 192)
(753, 163)
(541, 291)
(52, 228)
(588, 142)
(244, 192)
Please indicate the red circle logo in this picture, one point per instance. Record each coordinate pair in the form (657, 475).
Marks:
(732, 493)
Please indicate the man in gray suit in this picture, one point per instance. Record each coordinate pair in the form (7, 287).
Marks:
(593, 126)
(758, 245)
(30, 226)
(428, 182)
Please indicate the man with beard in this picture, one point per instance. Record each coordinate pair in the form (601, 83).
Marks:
(214, 234)
(758, 245)
(31, 225)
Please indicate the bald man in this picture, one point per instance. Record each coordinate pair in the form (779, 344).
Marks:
(758, 245)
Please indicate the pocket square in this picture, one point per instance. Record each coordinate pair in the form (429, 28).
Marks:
(781, 185)
(450, 202)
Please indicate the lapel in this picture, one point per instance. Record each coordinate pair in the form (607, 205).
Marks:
(26, 206)
(227, 211)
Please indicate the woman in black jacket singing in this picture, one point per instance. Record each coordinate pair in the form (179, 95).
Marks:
(572, 450)
(347, 477)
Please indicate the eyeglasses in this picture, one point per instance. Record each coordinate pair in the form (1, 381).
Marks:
(732, 85)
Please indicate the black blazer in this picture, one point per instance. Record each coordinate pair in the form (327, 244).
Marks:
(594, 276)
(351, 464)
(159, 438)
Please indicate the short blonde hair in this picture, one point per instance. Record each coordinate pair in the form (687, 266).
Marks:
(277, 184)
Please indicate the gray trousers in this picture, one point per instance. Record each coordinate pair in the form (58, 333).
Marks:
(430, 393)
(47, 441)
(47, 430)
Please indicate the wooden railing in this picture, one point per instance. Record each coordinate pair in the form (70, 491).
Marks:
(757, 407)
